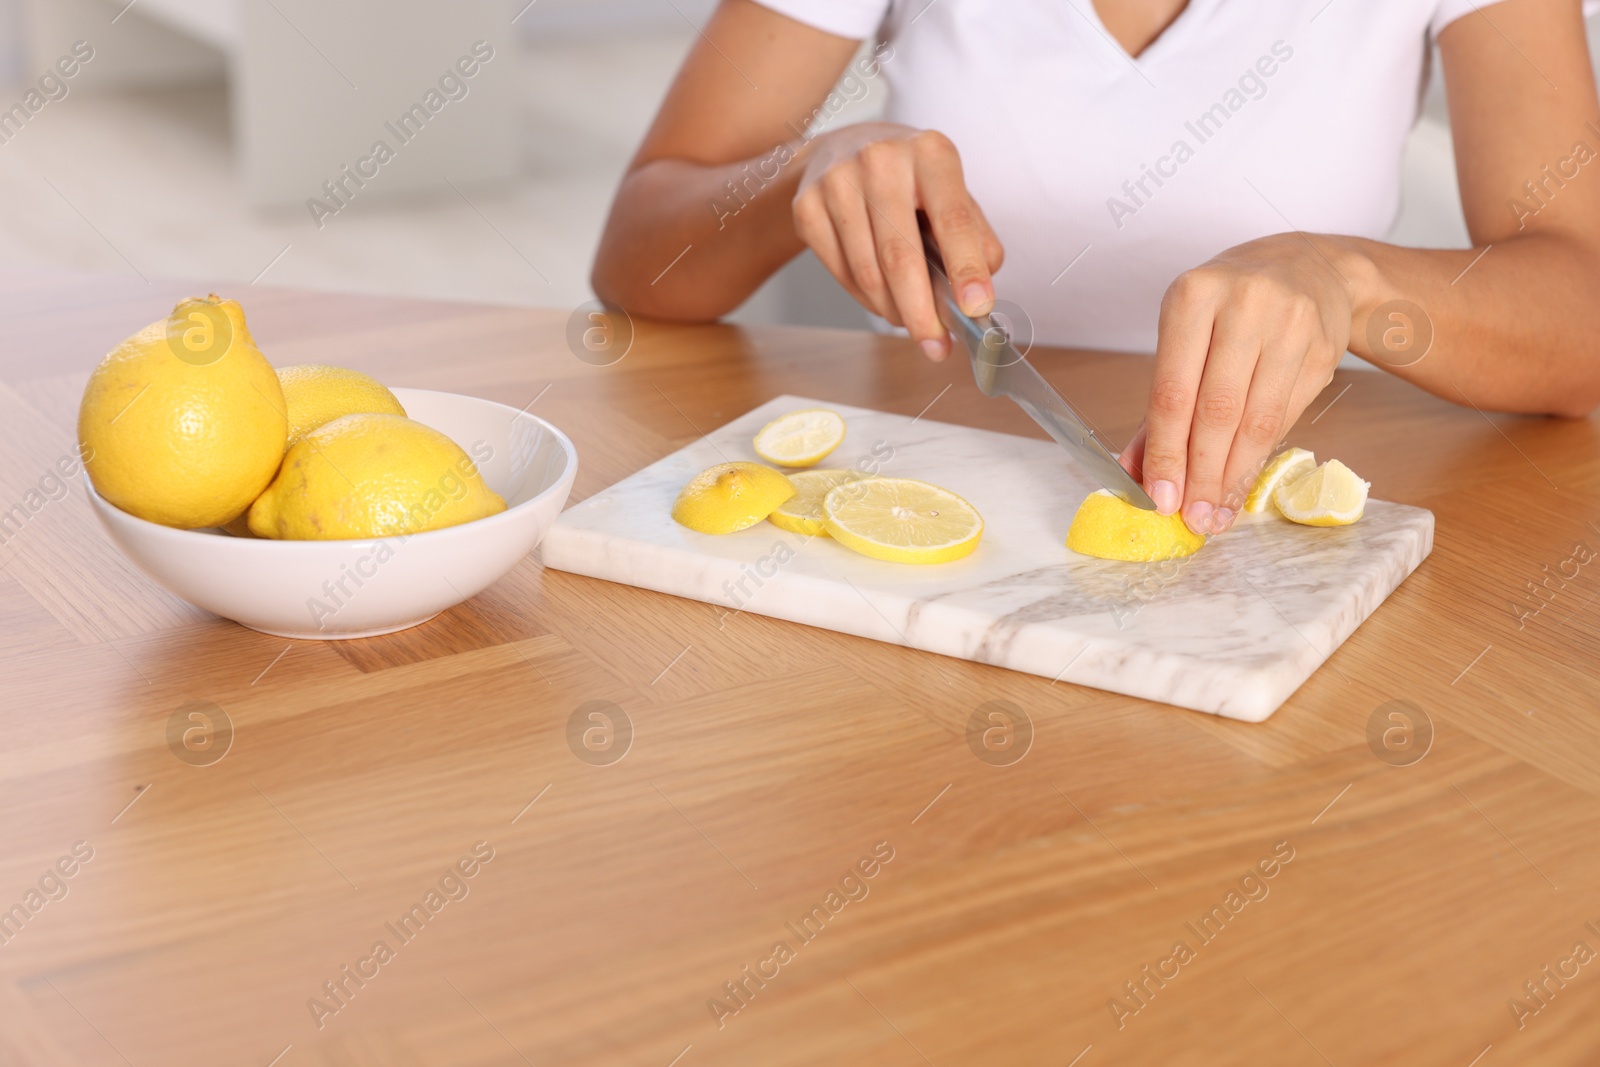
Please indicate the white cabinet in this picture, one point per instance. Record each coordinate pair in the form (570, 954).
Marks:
(316, 87)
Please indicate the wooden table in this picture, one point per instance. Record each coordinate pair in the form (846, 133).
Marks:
(768, 760)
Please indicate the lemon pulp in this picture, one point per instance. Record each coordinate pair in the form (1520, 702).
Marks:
(802, 513)
(801, 438)
(1330, 495)
(1285, 467)
(901, 520)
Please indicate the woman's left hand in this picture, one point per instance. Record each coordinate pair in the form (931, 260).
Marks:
(1246, 342)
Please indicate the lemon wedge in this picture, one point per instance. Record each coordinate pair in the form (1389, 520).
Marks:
(1330, 495)
(800, 438)
(802, 513)
(1285, 467)
(730, 497)
(1107, 527)
(901, 520)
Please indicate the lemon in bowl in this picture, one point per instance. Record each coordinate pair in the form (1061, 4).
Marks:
(183, 423)
(315, 394)
(361, 586)
(371, 475)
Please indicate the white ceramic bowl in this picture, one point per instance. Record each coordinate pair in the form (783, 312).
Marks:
(339, 589)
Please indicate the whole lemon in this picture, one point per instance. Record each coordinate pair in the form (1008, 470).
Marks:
(368, 475)
(183, 423)
(317, 394)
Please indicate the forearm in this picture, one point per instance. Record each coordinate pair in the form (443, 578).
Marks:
(1513, 328)
(691, 241)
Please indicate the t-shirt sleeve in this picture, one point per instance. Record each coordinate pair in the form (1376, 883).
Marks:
(1450, 10)
(856, 19)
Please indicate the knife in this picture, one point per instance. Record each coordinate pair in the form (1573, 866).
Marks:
(1001, 370)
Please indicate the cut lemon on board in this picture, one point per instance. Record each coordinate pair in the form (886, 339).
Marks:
(1108, 527)
(1285, 467)
(802, 513)
(901, 520)
(1330, 495)
(730, 497)
(800, 438)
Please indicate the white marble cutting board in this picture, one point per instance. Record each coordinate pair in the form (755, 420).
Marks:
(1232, 630)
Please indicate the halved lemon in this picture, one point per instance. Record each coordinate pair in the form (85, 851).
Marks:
(901, 520)
(1108, 527)
(1330, 495)
(802, 513)
(1285, 467)
(800, 438)
(730, 497)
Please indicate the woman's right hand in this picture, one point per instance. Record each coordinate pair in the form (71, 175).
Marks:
(856, 208)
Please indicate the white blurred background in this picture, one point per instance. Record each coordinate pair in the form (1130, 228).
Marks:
(187, 147)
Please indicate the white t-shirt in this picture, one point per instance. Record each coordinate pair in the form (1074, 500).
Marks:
(1106, 177)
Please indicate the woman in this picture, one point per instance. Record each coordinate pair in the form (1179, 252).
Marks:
(1206, 179)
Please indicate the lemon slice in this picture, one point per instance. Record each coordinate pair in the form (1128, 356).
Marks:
(730, 497)
(1285, 467)
(802, 513)
(901, 520)
(1108, 527)
(1330, 495)
(800, 438)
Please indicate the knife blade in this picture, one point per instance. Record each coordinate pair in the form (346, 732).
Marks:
(1001, 370)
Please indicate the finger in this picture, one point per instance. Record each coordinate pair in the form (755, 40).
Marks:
(890, 192)
(958, 225)
(1307, 390)
(1262, 424)
(1182, 341)
(815, 227)
(994, 253)
(851, 223)
(1132, 457)
(1224, 386)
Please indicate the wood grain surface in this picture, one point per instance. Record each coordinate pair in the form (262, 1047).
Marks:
(1032, 911)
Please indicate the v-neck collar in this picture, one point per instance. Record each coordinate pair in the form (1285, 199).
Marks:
(1171, 37)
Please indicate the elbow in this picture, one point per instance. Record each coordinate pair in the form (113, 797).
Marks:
(621, 283)
(1570, 408)
(1581, 396)
(1577, 401)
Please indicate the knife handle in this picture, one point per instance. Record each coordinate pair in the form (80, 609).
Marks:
(930, 247)
(944, 301)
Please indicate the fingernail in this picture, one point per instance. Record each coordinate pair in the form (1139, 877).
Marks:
(1165, 494)
(934, 350)
(1198, 517)
(1222, 519)
(973, 297)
